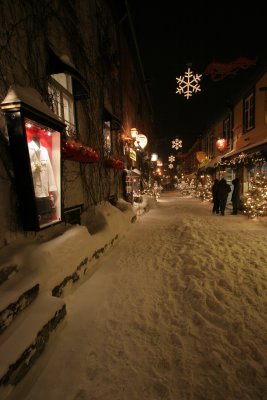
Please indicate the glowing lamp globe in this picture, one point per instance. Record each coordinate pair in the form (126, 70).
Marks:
(134, 133)
(154, 157)
(141, 140)
(221, 144)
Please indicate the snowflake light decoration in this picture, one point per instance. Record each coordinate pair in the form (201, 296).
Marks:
(171, 158)
(170, 166)
(177, 144)
(188, 83)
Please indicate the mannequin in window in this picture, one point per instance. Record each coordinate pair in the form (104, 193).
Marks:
(43, 179)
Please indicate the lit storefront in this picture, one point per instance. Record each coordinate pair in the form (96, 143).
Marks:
(35, 144)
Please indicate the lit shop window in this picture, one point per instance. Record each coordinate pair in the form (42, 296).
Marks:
(44, 154)
(61, 93)
(107, 138)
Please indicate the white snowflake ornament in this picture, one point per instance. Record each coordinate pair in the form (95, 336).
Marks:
(188, 84)
(171, 158)
(177, 144)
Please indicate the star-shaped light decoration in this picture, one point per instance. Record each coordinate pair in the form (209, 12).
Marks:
(171, 158)
(170, 166)
(188, 84)
(177, 144)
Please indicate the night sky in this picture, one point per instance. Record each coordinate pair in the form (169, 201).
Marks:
(171, 38)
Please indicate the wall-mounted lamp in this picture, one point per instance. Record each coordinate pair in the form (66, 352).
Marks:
(134, 133)
(154, 157)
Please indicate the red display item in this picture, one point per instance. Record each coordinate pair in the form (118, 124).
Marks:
(76, 151)
(114, 162)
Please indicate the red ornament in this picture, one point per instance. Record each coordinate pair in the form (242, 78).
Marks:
(113, 162)
(76, 151)
(221, 144)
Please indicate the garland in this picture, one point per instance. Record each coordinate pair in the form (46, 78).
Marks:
(114, 162)
(247, 160)
(76, 151)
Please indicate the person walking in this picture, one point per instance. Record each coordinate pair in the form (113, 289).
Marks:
(235, 195)
(223, 190)
(215, 197)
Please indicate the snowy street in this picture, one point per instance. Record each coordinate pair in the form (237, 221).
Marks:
(177, 310)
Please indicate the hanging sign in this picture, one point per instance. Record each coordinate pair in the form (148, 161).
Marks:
(132, 154)
(200, 156)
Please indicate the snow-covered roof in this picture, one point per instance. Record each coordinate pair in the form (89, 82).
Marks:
(244, 149)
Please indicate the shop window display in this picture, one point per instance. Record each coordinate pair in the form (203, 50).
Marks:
(34, 134)
(44, 154)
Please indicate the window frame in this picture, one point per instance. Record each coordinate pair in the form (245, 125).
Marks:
(228, 132)
(249, 111)
(59, 96)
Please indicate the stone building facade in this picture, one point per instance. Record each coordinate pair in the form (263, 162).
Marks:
(79, 59)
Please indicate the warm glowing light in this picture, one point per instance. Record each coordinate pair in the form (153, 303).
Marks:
(177, 144)
(134, 133)
(141, 140)
(200, 156)
(221, 144)
(154, 157)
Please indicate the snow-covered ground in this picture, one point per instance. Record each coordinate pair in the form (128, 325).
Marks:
(176, 311)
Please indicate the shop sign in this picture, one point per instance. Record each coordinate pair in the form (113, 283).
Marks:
(200, 156)
(132, 154)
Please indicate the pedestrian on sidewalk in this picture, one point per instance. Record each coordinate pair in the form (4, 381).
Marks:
(235, 195)
(223, 190)
(215, 197)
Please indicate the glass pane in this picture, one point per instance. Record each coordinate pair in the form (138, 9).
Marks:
(64, 80)
(68, 110)
(44, 153)
(107, 137)
(55, 99)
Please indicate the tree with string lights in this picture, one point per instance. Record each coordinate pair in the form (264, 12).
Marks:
(255, 202)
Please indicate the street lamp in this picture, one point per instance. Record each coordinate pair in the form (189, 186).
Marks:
(134, 133)
(154, 157)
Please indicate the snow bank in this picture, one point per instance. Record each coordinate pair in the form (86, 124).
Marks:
(74, 249)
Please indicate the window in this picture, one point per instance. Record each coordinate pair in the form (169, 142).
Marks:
(44, 154)
(60, 90)
(227, 132)
(211, 145)
(249, 112)
(107, 138)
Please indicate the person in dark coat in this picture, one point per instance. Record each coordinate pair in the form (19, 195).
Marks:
(223, 190)
(235, 195)
(215, 197)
